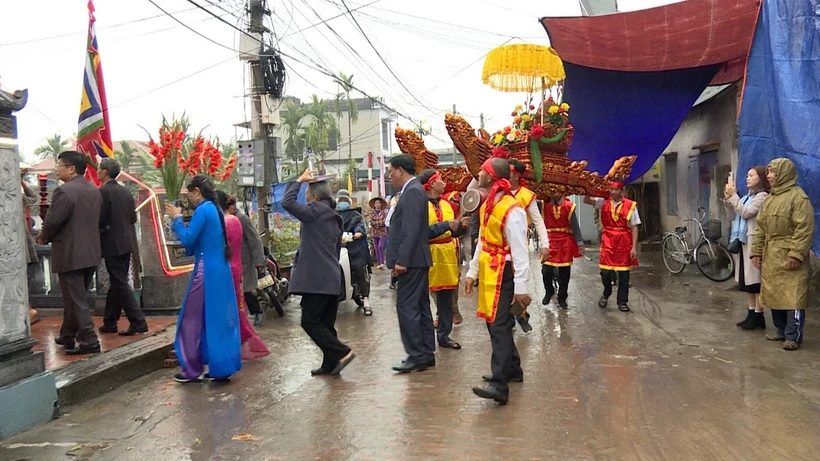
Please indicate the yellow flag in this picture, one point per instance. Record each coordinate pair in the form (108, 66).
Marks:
(349, 182)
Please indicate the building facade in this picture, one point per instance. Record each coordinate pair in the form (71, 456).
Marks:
(371, 132)
(696, 164)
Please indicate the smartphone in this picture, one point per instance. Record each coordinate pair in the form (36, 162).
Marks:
(731, 178)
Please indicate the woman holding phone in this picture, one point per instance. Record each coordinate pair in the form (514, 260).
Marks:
(745, 212)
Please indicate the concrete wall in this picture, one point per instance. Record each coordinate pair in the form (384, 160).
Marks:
(696, 164)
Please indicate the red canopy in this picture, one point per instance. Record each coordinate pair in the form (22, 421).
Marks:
(682, 35)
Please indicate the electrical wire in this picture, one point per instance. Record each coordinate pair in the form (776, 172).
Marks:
(401, 82)
(68, 34)
(314, 65)
(355, 53)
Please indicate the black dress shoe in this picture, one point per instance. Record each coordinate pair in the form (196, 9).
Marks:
(66, 344)
(320, 371)
(431, 363)
(514, 379)
(562, 304)
(81, 349)
(407, 367)
(342, 364)
(131, 331)
(546, 300)
(492, 392)
(108, 329)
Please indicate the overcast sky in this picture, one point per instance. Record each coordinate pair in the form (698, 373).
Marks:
(154, 66)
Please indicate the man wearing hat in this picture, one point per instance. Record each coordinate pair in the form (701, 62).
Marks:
(619, 241)
(357, 251)
(378, 229)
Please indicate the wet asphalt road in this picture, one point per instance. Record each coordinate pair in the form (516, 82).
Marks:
(674, 379)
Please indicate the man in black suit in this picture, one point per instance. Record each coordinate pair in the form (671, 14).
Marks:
(117, 218)
(408, 255)
(71, 226)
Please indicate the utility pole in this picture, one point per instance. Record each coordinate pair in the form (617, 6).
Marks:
(259, 132)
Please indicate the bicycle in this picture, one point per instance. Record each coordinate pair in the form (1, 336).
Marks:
(712, 258)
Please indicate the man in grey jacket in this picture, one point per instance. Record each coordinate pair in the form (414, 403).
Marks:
(72, 228)
(316, 274)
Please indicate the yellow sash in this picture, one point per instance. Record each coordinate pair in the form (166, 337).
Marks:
(492, 259)
(444, 272)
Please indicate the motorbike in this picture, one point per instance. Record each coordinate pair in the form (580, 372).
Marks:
(273, 288)
(350, 289)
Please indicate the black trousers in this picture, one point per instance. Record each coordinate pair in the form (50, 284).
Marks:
(415, 317)
(120, 297)
(77, 323)
(359, 275)
(319, 322)
(252, 303)
(505, 361)
(548, 274)
(622, 277)
(444, 304)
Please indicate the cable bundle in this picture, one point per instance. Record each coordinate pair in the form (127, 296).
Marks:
(273, 73)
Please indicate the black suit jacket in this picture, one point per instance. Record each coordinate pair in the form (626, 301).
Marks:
(117, 218)
(407, 243)
(72, 226)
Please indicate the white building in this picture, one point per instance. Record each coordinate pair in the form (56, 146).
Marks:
(372, 133)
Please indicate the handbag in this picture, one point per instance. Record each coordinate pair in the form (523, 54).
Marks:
(735, 246)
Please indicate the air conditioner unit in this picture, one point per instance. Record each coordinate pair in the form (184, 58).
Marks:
(270, 110)
(249, 45)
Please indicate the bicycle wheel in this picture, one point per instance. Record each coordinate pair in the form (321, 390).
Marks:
(674, 253)
(714, 261)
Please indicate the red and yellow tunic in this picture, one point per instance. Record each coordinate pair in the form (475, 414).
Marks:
(616, 239)
(493, 257)
(563, 247)
(444, 272)
(524, 196)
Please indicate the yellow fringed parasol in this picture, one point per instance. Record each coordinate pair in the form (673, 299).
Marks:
(522, 68)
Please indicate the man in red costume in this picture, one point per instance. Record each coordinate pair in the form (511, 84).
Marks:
(619, 242)
(501, 266)
(565, 243)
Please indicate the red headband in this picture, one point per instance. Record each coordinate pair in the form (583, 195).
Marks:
(429, 184)
(617, 184)
(500, 184)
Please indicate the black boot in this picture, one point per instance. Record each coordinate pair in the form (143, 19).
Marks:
(749, 313)
(756, 322)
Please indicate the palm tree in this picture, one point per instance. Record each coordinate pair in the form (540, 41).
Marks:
(322, 126)
(346, 83)
(52, 148)
(292, 122)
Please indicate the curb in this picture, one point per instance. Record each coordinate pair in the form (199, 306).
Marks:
(87, 379)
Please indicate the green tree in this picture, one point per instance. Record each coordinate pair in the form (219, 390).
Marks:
(321, 128)
(342, 99)
(292, 122)
(52, 148)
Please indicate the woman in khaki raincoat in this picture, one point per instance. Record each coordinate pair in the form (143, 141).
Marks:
(785, 226)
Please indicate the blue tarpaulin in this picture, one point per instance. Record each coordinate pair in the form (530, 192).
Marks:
(781, 100)
(619, 113)
(278, 192)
